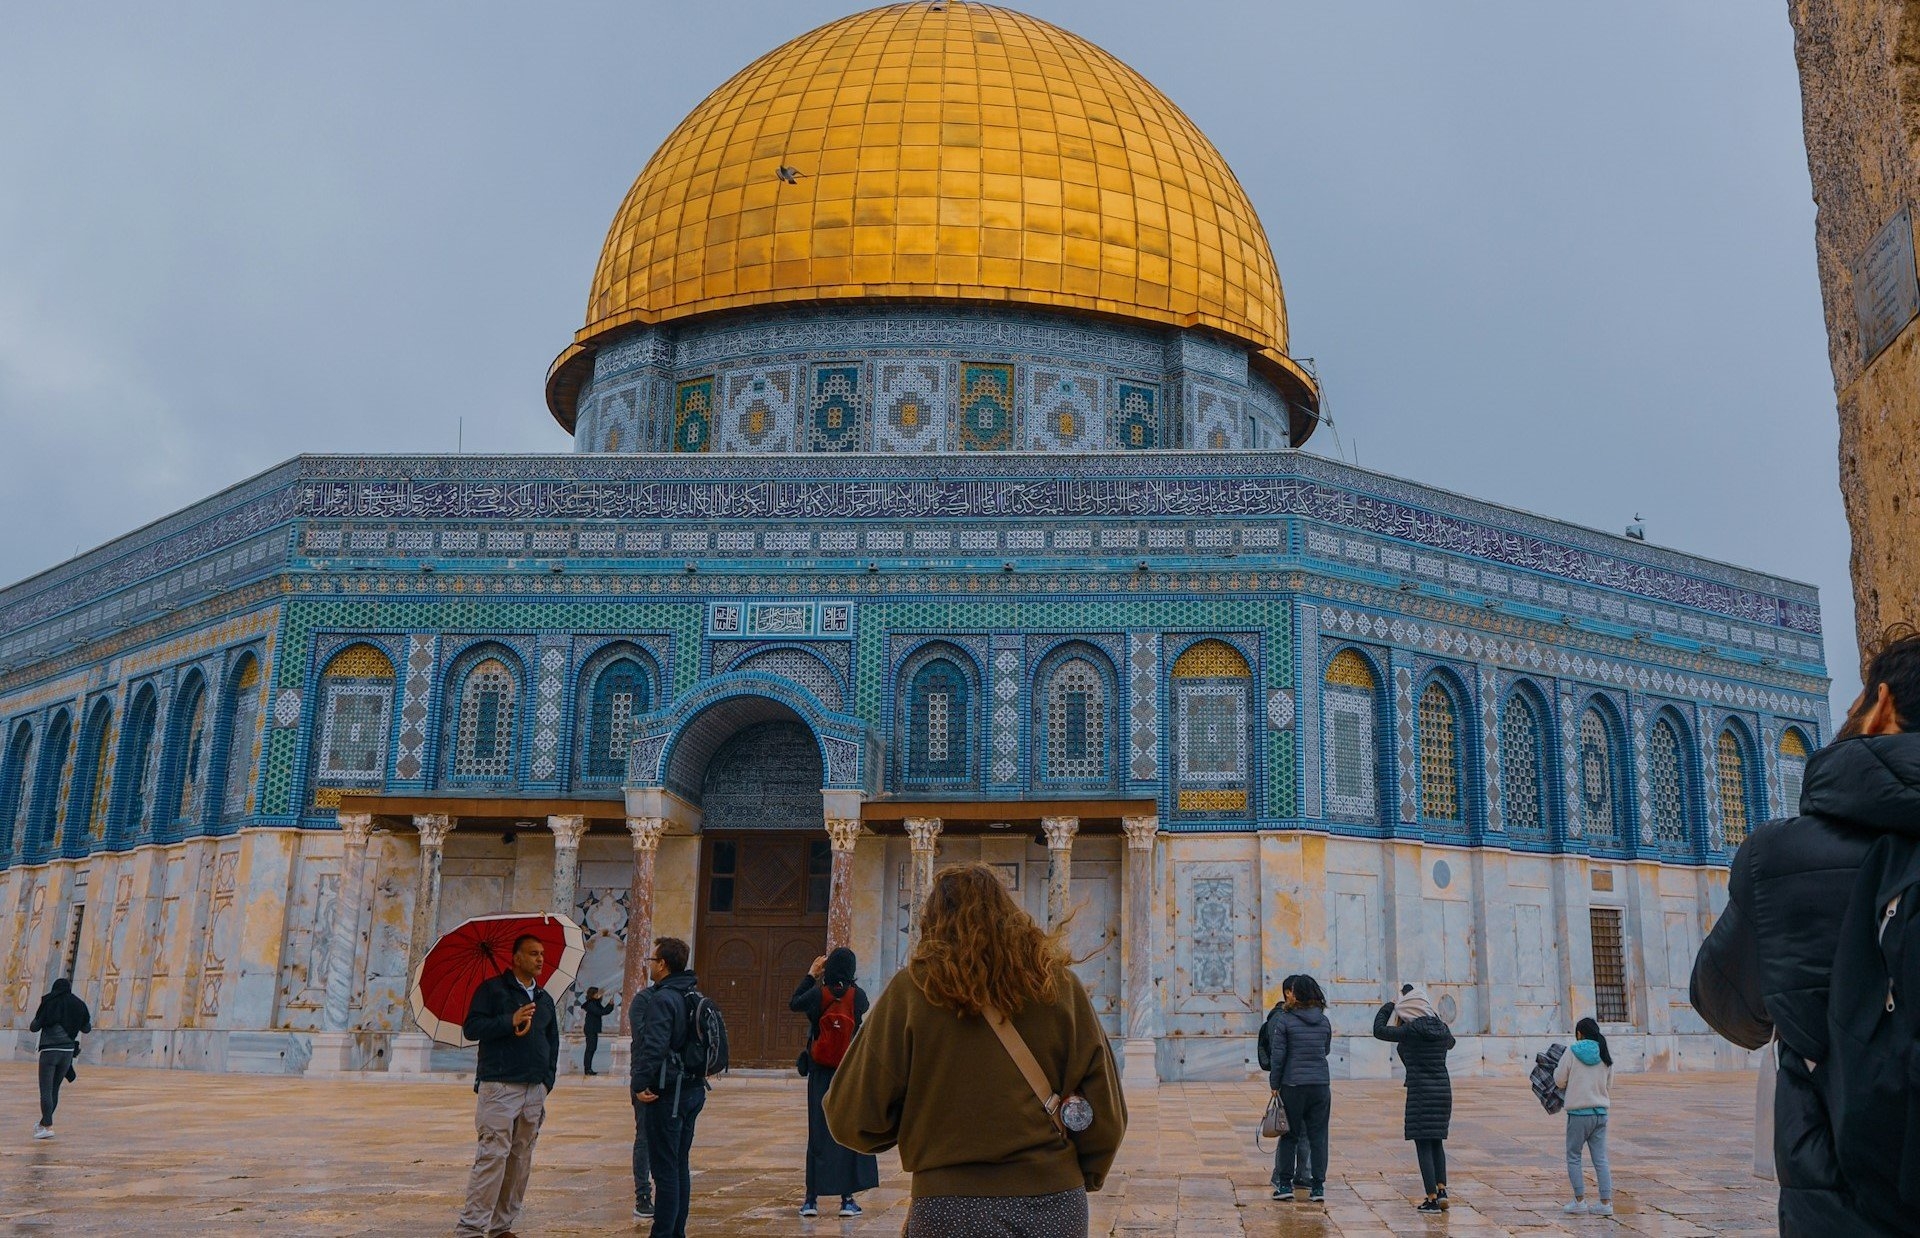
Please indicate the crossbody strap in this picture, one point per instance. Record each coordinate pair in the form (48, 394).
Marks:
(1016, 1047)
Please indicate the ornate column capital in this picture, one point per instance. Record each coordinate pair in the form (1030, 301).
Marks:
(842, 834)
(433, 828)
(567, 830)
(1059, 832)
(1140, 831)
(354, 827)
(923, 833)
(646, 832)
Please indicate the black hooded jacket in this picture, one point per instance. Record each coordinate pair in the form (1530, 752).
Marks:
(1763, 971)
(61, 1018)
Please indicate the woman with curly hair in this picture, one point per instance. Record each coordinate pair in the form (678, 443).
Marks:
(929, 1072)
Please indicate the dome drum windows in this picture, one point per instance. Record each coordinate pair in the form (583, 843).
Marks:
(1442, 797)
(1523, 794)
(937, 736)
(1212, 688)
(1075, 695)
(356, 701)
(1598, 779)
(618, 690)
(1349, 708)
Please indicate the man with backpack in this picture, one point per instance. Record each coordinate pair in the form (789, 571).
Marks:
(680, 1042)
(1819, 950)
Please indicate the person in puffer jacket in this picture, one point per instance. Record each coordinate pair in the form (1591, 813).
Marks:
(1585, 1073)
(1423, 1039)
(1298, 1040)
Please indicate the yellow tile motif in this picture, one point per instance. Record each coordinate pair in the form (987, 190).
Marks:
(360, 661)
(1349, 670)
(1211, 659)
(961, 152)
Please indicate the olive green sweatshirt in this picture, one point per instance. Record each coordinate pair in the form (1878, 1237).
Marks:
(944, 1089)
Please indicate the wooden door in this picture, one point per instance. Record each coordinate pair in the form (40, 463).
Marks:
(763, 919)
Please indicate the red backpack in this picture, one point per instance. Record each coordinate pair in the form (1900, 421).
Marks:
(836, 1029)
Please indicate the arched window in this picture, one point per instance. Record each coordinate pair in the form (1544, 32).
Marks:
(1349, 705)
(13, 785)
(186, 755)
(1076, 722)
(1522, 791)
(56, 750)
(242, 739)
(1793, 769)
(356, 695)
(1440, 798)
(1730, 759)
(1212, 687)
(87, 803)
(937, 730)
(135, 769)
(1667, 786)
(483, 738)
(1599, 777)
(619, 694)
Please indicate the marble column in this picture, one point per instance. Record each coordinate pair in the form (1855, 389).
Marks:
(1137, 1067)
(433, 829)
(567, 833)
(1059, 832)
(923, 834)
(646, 833)
(332, 1045)
(841, 835)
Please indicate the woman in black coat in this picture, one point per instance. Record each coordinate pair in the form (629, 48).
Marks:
(831, 1168)
(1423, 1039)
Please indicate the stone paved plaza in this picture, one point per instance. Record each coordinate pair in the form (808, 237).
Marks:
(171, 1152)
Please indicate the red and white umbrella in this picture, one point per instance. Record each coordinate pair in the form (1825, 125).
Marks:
(479, 950)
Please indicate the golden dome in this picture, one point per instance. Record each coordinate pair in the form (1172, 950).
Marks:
(938, 151)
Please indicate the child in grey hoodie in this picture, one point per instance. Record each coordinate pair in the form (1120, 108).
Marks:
(1585, 1073)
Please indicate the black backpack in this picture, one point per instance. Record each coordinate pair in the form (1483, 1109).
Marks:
(1872, 1071)
(703, 1051)
(1262, 1051)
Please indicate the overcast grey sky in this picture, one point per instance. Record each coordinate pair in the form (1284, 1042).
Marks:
(1556, 256)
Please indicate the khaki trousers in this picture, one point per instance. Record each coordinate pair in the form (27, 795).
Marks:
(507, 1118)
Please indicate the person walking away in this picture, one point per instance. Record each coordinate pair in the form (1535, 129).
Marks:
(1764, 971)
(642, 1162)
(672, 1097)
(1422, 1039)
(942, 1069)
(596, 1010)
(1301, 1038)
(834, 1006)
(518, 1030)
(61, 1020)
(1585, 1074)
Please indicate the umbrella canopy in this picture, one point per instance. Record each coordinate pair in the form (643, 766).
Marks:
(476, 952)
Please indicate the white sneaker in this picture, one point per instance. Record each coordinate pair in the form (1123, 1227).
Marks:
(1576, 1208)
(1602, 1209)
(43, 1132)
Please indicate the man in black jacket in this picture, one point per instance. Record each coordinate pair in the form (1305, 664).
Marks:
(518, 1030)
(596, 1010)
(673, 1100)
(1763, 972)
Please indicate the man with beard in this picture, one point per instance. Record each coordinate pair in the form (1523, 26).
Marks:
(1763, 973)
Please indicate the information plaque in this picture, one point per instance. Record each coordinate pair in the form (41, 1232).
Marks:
(1886, 292)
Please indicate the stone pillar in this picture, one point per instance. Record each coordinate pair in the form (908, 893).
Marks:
(842, 835)
(1059, 832)
(646, 833)
(1137, 1066)
(412, 1051)
(433, 829)
(332, 1044)
(567, 833)
(924, 835)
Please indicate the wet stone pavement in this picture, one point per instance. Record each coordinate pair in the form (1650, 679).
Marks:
(171, 1152)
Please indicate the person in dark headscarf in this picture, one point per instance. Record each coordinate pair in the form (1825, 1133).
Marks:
(61, 1020)
(834, 1006)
